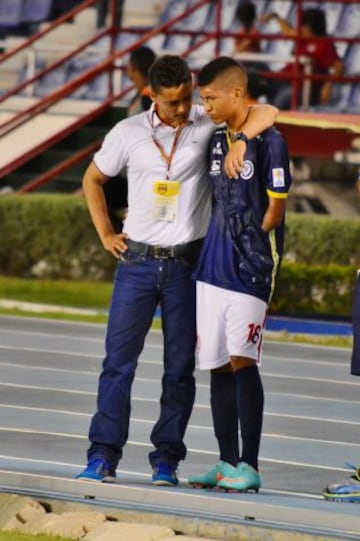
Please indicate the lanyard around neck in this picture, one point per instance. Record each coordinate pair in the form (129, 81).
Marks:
(168, 158)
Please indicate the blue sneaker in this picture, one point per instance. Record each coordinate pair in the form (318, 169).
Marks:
(347, 490)
(164, 475)
(98, 469)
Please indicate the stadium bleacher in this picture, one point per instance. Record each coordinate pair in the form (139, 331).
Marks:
(343, 20)
(10, 14)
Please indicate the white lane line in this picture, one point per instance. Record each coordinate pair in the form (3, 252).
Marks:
(63, 352)
(291, 361)
(67, 338)
(52, 389)
(197, 406)
(94, 393)
(87, 373)
(308, 378)
(271, 435)
(311, 397)
(132, 473)
(215, 454)
(46, 410)
(145, 361)
(299, 345)
(50, 351)
(51, 336)
(13, 364)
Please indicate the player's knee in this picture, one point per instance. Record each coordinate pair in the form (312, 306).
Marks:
(222, 369)
(238, 363)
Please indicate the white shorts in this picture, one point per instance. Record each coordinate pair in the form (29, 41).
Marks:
(228, 323)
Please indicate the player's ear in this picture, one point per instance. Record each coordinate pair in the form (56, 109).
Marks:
(152, 95)
(239, 92)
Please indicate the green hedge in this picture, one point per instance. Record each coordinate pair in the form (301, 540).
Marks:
(52, 236)
(307, 290)
(321, 240)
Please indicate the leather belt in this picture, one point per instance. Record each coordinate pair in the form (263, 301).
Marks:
(156, 251)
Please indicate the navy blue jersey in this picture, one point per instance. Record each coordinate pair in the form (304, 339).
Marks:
(237, 254)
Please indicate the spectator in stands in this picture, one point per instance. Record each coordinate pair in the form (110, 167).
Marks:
(323, 56)
(169, 205)
(115, 189)
(60, 7)
(138, 72)
(348, 490)
(258, 89)
(104, 7)
(246, 15)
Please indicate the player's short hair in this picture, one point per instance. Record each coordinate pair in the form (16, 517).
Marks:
(169, 71)
(223, 65)
(142, 58)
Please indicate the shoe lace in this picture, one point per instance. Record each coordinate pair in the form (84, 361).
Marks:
(100, 465)
(356, 474)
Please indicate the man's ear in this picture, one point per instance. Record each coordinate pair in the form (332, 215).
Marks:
(152, 95)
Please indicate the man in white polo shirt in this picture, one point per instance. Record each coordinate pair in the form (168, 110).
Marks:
(169, 207)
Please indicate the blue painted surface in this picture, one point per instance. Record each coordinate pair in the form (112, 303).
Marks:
(308, 326)
(303, 326)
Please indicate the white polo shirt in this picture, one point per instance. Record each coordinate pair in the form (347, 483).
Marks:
(130, 144)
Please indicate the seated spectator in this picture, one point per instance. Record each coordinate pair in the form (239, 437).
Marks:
(323, 55)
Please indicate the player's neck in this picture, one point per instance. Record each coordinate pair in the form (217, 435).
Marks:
(236, 123)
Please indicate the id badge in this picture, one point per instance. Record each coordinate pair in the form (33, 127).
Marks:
(166, 199)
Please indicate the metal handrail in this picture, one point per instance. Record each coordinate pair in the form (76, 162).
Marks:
(109, 64)
(54, 24)
(79, 123)
(89, 74)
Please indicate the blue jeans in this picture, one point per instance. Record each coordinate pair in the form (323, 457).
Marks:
(140, 284)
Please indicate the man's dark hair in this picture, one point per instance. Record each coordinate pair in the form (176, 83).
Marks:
(246, 14)
(169, 71)
(142, 58)
(315, 18)
(217, 67)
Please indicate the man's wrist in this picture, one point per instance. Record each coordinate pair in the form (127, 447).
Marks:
(241, 136)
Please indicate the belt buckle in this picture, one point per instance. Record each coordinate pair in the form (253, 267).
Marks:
(163, 252)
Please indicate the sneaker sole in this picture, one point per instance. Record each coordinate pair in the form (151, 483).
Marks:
(201, 485)
(163, 483)
(352, 498)
(104, 480)
(233, 489)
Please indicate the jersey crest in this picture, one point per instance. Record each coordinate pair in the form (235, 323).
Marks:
(247, 170)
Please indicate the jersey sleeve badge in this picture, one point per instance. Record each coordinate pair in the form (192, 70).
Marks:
(278, 177)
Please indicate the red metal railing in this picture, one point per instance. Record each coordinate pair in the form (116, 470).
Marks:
(88, 75)
(109, 65)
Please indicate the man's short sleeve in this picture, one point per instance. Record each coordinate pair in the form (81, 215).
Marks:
(112, 156)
